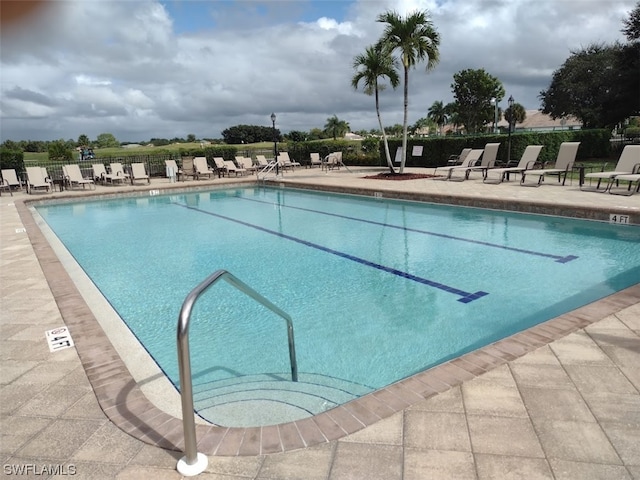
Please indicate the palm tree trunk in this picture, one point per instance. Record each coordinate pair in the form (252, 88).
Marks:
(406, 114)
(384, 135)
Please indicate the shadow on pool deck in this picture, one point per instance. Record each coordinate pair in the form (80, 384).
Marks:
(569, 408)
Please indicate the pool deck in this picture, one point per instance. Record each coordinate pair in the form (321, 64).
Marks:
(558, 401)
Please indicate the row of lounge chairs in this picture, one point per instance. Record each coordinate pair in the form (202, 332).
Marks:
(198, 167)
(484, 160)
(625, 174)
(37, 178)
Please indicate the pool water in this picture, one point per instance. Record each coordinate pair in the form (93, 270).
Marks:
(378, 289)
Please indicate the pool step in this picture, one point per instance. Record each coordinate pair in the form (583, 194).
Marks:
(258, 400)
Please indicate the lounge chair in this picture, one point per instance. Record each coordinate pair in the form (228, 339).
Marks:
(564, 164)
(314, 159)
(37, 177)
(488, 159)
(10, 180)
(201, 167)
(328, 162)
(282, 164)
(630, 178)
(116, 173)
(264, 165)
(527, 161)
(287, 162)
(171, 167)
(628, 161)
(188, 169)
(262, 162)
(138, 172)
(232, 167)
(99, 172)
(73, 176)
(246, 163)
(333, 160)
(458, 159)
(472, 160)
(220, 166)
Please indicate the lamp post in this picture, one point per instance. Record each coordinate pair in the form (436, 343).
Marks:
(511, 102)
(494, 101)
(275, 142)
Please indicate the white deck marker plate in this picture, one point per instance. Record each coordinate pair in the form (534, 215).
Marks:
(59, 339)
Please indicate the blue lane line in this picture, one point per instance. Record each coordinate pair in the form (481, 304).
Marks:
(465, 297)
(556, 258)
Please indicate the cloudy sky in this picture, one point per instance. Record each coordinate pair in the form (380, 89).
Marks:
(143, 69)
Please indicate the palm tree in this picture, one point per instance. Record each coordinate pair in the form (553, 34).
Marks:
(416, 38)
(336, 127)
(438, 113)
(518, 116)
(375, 63)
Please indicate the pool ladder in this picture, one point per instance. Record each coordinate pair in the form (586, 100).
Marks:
(193, 462)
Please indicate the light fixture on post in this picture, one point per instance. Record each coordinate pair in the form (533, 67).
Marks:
(494, 102)
(275, 142)
(511, 102)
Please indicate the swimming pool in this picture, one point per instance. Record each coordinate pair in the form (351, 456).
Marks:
(377, 289)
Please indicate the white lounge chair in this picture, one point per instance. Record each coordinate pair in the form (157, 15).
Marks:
(201, 167)
(99, 172)
(527, 161)
(10, 180)
(221, 167)
(73, 176)
(246, 163)
(262, 162)
(314, 159)
(472, 160)
(116, 173)
(286, 161)
(232, 167)
(37, 178)
(333, 160)
(628, 161)
(138, 172)
(564, 164)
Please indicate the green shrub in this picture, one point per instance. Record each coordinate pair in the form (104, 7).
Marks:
(437, 150)
(12, 159)
(632, 132)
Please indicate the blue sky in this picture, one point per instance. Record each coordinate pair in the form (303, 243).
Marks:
(143, 69)
(195, 15)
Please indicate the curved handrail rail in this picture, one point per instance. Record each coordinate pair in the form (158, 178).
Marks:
(193, 463)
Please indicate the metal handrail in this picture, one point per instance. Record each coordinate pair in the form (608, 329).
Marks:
(268, 168)
(192, 461)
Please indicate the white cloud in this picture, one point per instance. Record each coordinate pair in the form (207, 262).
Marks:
(87, 80)
(90, 67)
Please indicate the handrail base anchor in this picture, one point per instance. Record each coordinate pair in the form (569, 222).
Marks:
(192, 470)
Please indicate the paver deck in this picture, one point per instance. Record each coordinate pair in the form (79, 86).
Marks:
(561, 400)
